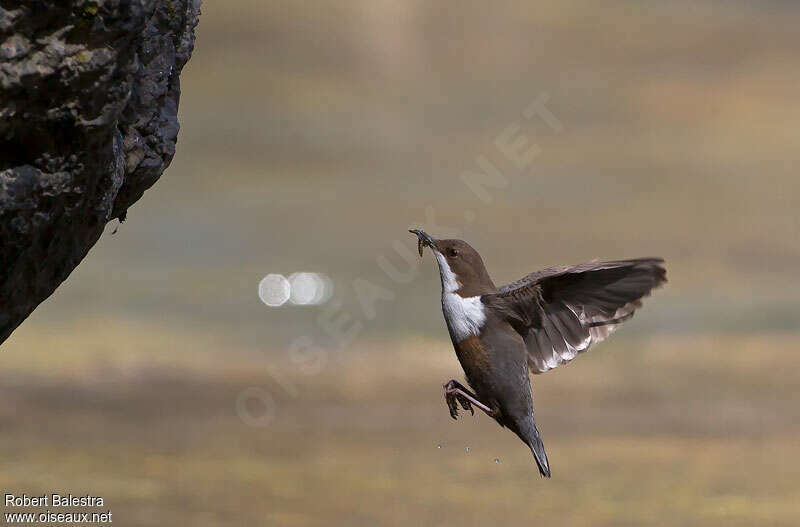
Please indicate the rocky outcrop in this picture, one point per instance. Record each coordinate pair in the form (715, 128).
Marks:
(89, 95)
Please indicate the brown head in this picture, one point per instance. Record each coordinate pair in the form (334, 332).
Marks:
(460, 266)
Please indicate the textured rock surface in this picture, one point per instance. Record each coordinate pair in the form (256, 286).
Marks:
(88, 121)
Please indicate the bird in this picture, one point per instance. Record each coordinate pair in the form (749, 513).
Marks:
(545, 319)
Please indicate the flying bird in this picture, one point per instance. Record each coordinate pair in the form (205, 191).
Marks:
(534, 324)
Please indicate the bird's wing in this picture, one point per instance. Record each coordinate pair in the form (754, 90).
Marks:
(561, 311)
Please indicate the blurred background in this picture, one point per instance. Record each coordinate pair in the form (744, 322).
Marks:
(313, 137)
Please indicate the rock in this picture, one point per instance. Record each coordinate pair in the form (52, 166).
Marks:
(89, 95)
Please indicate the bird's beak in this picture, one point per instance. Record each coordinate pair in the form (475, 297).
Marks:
(423, 239)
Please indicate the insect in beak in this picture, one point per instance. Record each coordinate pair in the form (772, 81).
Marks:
(423, 239)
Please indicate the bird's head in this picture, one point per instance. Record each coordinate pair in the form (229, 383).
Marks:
(460, 266)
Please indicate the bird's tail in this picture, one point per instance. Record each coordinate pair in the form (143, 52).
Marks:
(534, 441)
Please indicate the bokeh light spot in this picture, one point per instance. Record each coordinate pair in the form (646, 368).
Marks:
(301, 289)
(274, 290)
(306, 288)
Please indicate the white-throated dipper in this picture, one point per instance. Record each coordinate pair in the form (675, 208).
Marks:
(536, 323)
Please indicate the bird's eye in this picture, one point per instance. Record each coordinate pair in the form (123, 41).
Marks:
(452, 253)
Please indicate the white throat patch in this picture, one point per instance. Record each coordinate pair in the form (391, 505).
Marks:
(449, 282)
(464, 316)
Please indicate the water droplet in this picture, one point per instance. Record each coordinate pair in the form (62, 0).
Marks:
(467, 450)
(496, 461)
(439, 447)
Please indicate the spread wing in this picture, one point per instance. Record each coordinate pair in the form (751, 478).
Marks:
(561, 311)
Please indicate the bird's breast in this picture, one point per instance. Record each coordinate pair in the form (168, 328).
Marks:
(472, 354)
(464, 316)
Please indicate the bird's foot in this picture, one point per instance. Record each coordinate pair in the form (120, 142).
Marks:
(455, 394)
(453, 399)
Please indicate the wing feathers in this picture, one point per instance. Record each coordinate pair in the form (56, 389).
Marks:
(562, 311)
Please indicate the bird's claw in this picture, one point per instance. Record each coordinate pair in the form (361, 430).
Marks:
(454, 398)
(465, 404)
(452, 405)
